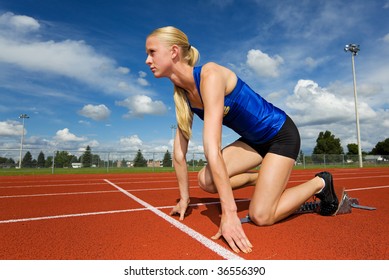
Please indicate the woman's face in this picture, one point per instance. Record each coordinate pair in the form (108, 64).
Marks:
(159, 57)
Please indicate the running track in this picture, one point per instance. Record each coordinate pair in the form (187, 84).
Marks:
(125, 217)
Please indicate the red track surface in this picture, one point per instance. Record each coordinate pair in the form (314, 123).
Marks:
(84, 217)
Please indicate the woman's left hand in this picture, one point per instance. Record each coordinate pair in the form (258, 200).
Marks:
(232, 231)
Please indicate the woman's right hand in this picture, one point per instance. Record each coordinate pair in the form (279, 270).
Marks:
(180, 208)
(231, 230)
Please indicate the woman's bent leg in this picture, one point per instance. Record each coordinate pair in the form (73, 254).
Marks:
(271, 202)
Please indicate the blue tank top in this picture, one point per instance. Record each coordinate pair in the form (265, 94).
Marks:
(246, 112)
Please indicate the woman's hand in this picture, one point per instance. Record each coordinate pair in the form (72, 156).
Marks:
(180, 208)
(232, 231)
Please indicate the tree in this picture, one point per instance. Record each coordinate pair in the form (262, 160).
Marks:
(382, 148)
(326, 143)
(10, 162)
(74, 159)
(3, 160)
(62, 159)
(41, 160)
(86, 159)
(139, 160)
(27, 160)
(49, 161)
(6, 162)
(96, 160)
(352, 149)
(167, 159)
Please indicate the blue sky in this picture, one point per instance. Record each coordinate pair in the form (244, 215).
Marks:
(77, 68)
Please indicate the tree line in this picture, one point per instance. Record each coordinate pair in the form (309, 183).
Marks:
(63, 159)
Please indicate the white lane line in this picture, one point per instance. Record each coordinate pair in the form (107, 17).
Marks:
(221, 251)
(149, 189)
(367, 188)
(75, 215)
(65, 184)
(90, 192)
(54, 194)
(105, 212)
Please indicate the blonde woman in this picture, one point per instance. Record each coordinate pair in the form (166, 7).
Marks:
(268, 138)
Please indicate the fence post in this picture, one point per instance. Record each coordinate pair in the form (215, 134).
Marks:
(53, 164)
(107, 161)
(193, 166)
(153, 161)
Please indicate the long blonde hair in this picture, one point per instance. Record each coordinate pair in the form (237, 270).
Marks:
(173, 36)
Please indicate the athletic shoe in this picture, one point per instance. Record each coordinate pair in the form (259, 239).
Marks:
(328, 199)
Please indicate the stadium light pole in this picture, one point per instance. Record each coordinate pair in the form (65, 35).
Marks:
(173, 127)
(22, 116)
(354, 49)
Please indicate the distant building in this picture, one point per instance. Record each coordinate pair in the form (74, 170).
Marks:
(154, 163)
(76, 165)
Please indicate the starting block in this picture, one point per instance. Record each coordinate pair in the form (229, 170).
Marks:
(346, 204)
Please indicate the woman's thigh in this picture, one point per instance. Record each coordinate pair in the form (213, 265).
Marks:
(272, 179)
(238, 158)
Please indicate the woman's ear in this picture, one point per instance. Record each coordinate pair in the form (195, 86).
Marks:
(175, 51)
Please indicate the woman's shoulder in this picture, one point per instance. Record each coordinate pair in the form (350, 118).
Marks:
(211, 68)
(212, 71)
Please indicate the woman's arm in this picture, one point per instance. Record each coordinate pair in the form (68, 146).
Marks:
(215, 81)
(180, 166)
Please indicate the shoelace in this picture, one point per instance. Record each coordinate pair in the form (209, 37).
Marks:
(308, 207)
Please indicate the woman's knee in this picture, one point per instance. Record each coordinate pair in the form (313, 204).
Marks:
(204, 183)
(262, 218)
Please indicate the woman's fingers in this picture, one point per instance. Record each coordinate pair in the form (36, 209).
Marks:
(237, 241)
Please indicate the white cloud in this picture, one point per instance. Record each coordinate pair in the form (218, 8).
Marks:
(386, 123)
(263, 64)
(310, 62)
(140, 105)
(312, 105)
(123, 70)
(91, 144)
(315, 109)
(141, 80)
(131, 142)
(65, 135)
(95, 112)
(313, 63)
(386, 38)
(10, 128)
(69, 58)
(84, 122)
(19, 23)
(73, 59)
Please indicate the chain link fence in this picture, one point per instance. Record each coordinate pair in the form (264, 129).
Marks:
(103, 161)
(111, 161)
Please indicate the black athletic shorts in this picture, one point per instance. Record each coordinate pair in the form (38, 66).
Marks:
(285, 143)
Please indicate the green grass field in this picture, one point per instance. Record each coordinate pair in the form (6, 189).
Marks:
(46, 171)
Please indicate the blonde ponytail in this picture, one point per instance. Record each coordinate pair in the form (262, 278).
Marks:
(184, 115)
(174, 36)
